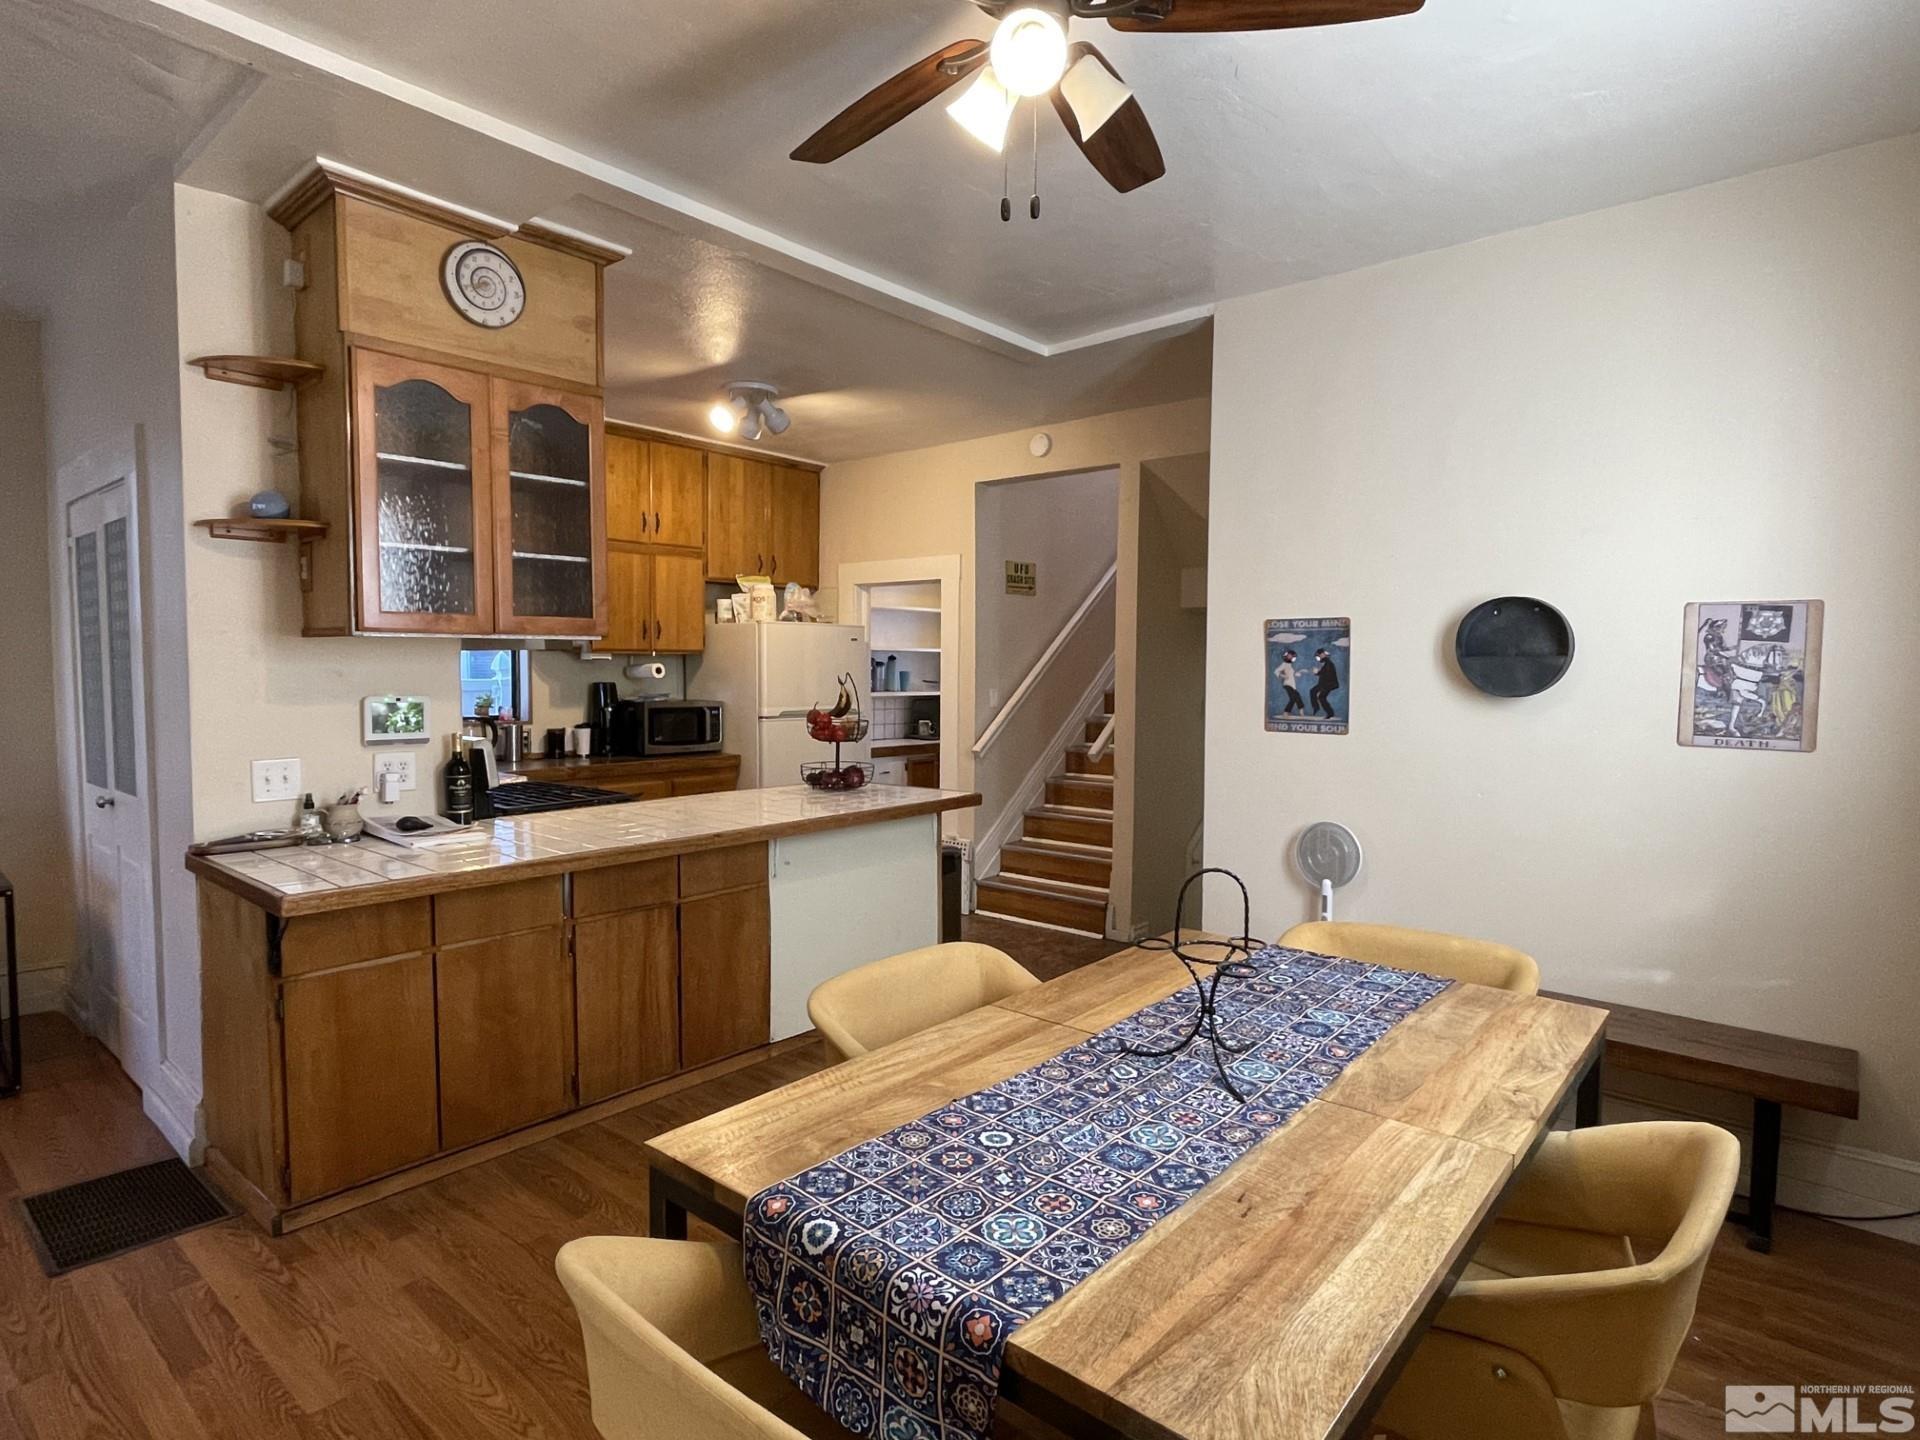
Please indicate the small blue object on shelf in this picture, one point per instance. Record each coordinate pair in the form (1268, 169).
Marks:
(269, 505)
(905, 680)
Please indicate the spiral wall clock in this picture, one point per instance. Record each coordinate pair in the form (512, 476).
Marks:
(483, 284)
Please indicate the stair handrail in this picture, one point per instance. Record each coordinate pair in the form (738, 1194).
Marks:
(1102, 740)
(1054, 647)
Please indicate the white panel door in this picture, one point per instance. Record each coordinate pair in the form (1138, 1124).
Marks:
(119, 987)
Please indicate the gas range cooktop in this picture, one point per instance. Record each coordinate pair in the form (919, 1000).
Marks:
(530, 796)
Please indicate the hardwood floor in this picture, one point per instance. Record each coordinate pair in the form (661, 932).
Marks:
(436, 1313)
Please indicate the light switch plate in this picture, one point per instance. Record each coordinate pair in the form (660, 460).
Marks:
(402, 764)
(275, 780)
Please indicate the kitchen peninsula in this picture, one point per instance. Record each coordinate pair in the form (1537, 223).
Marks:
(376, 1015)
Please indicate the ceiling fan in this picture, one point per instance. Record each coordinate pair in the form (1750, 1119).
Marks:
(1030, 55)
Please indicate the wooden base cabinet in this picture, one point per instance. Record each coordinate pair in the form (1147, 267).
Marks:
(725, 974)
(505, 1013)
(361, 1089)
(355, 1045)
(627, 979)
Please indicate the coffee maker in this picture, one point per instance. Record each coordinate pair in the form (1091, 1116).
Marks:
(602, 696)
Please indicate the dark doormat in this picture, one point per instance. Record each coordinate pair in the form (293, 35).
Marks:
(96, 1219)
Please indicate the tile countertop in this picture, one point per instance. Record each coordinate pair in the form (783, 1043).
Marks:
(306, 880)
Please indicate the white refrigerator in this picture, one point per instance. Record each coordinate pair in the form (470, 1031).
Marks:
(767, 675)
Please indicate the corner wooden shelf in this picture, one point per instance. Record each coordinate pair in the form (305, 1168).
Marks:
(264, 372)
(271, 532)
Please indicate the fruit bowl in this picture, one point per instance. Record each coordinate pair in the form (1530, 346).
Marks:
(847, 731)
(825, 775)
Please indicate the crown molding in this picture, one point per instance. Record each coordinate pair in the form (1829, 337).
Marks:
(761, 242)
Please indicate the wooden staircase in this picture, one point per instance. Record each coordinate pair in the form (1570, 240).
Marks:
(1060, 869)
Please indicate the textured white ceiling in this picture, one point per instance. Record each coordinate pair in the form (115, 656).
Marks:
(90, 103)
(1291, 154)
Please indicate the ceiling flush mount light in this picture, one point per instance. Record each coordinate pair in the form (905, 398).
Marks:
(750, 411)
(1029, 51)
(983, 110)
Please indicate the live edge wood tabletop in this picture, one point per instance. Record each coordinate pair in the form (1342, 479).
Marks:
(1280, 1299)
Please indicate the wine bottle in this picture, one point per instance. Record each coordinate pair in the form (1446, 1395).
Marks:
(459, 787)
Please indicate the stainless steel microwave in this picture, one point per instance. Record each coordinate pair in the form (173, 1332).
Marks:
(679, 727)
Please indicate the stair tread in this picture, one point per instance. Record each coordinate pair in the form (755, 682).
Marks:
(1071, 812)
(1066, 777)
(1072, 849)
(1048, 885)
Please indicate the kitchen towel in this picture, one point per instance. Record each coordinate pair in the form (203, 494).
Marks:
(887, 1279)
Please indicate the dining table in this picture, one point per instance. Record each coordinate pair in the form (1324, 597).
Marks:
(1278, 1301)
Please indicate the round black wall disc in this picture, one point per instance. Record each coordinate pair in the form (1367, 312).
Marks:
(1513, 646)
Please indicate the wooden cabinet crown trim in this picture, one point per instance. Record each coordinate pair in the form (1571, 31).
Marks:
(712, 447)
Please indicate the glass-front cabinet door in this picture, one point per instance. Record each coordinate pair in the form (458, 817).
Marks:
(549, 511)
(425, 529)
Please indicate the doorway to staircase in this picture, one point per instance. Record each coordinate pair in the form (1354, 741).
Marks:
(1059, 869)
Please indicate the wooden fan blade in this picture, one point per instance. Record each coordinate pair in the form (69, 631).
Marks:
(1198, 16)
(891, 101)
(1123, 150)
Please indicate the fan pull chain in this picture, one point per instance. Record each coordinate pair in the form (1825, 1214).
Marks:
(1006, 186)
(1033, 206)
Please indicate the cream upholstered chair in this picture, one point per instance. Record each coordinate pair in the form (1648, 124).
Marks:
(904, 994)
(1555, 1332)
(673, 1351)
(1479, 962)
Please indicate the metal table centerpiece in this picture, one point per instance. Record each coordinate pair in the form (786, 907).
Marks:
(1231, 961)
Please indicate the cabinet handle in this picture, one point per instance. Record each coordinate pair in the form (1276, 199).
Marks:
(759, 563)
(643, 522)
(773, 565)
(656, 629)
(656, 522)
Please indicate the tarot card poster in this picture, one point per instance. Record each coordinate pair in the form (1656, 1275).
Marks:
(1751, 678)
(1308, 673)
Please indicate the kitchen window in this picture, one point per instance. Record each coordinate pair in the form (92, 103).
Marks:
(498, 675)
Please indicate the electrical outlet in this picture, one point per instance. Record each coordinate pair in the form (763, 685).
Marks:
(401, 765)
(275, 780)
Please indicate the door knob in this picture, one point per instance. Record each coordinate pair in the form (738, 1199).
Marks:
(103, 802)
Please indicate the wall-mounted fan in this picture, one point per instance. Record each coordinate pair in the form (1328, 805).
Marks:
(1032, 55)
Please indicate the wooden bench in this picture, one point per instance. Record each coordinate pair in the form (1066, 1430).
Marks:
(1774, 1070)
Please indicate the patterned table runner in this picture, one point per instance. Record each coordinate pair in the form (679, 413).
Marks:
(887, 1279)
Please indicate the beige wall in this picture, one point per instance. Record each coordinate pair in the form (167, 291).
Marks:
(1169, 715)
(1067, 525)
(921, 502)
(1712, 395)
(34, 819)
(112, 386)
(260, 689)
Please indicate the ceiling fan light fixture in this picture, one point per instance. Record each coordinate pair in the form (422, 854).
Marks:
(1093, 94)
(984, 109)
(1029, 51)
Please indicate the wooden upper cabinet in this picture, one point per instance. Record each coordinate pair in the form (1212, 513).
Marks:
(762, 519)
(629, 502)
(679, 482)
(629, 599)
(793, 538)
(422, 497)
(456, 461)
(679, 603)
(738, 491)
(549, 511)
